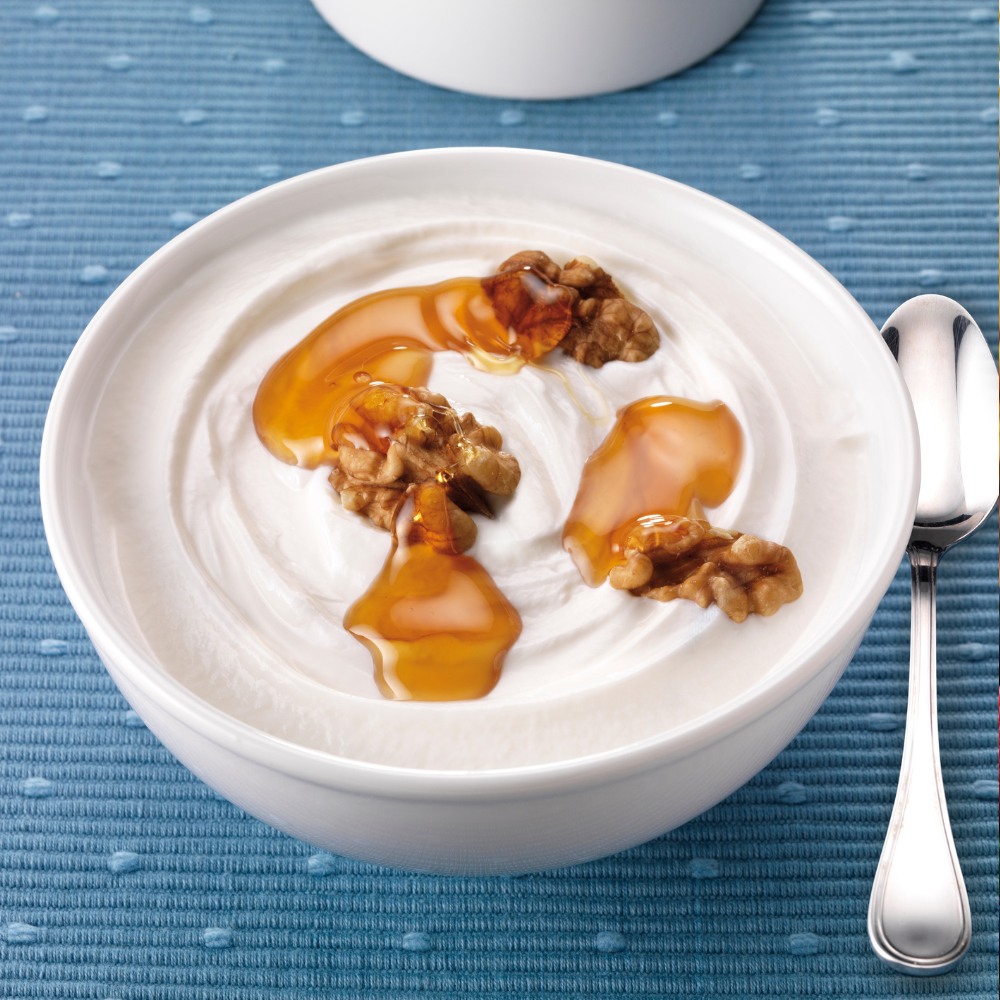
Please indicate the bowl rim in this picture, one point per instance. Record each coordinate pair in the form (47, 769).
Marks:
(140, 669)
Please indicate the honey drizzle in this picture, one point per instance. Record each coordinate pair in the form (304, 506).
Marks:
(436, 625)
(389, 336)
(664, 457)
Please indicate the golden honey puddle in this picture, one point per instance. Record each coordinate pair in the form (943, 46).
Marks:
(663, 457)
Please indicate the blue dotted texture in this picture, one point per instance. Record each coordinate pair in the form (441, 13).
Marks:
(864, 131)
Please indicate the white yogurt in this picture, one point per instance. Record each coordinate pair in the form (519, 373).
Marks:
(238, 568)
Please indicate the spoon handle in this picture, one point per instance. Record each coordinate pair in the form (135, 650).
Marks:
(918, 916)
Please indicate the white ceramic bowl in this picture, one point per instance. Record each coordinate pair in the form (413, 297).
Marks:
(507, 819)
(525, 49)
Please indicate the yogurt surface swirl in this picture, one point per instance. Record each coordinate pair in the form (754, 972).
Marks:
(238, 568)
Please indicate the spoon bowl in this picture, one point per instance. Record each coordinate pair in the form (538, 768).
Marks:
(918, 917)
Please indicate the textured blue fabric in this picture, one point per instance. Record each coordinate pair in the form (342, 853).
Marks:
(865, 131)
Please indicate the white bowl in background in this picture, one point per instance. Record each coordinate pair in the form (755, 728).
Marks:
(526, 49)
(507, 819)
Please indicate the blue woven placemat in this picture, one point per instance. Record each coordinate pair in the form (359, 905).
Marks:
(864, 131)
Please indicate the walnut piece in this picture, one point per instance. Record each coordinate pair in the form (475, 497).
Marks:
(394, 440)
(606, 327)
(578, 307)
(689, 558)
(529, 303)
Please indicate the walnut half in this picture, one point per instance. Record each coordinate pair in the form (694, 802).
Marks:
(393, 439)
(688, 558)
(606, 327)
(577, 307)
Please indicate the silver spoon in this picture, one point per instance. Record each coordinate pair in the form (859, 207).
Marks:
(918, 917)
